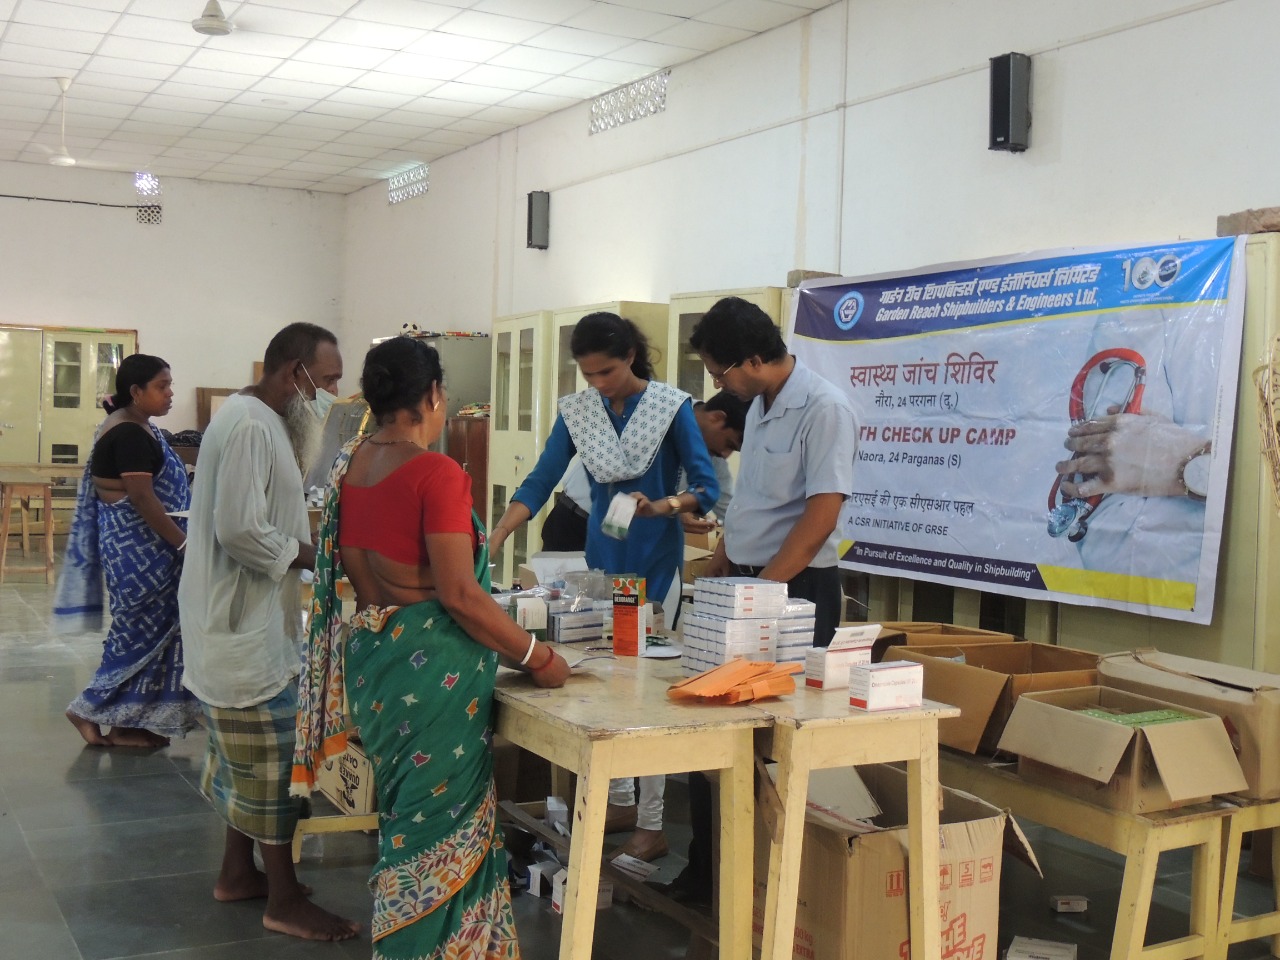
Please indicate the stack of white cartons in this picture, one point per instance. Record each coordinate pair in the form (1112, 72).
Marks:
(795, 630)
(587, 622)
(732, 617)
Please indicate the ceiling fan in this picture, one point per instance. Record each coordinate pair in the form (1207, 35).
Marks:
(62, 157)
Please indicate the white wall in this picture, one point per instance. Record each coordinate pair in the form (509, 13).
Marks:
(206, 289)
(853, 141)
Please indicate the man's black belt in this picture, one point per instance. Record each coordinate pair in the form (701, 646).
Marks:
(566, 501)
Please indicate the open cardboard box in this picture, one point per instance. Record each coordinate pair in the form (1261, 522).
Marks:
(922, 633)
(990, 680)
(852, 897)
(1248, 700)
(1137, 769)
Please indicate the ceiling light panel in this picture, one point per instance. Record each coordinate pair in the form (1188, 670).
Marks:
(574, 40)
(42, 13)
(404, 13)
(49, 38)
(545, 11)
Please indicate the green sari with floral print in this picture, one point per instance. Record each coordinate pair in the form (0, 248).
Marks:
(420, 694)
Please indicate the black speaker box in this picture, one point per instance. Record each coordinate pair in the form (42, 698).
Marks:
(1010, 102)
(539, 219)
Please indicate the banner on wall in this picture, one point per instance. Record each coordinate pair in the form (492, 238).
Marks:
(1055, 426)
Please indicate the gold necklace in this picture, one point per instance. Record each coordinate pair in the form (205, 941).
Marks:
(387, 443)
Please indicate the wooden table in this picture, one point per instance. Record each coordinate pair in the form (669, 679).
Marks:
(1250, 815)
(25, 484)
(613, 719)
(815, 730)
(1141, 838)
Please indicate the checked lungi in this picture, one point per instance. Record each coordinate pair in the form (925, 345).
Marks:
(248, 764)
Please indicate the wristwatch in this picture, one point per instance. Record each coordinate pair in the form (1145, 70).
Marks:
(1193, 474)
(675, 504)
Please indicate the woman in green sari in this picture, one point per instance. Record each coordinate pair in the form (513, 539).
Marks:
(418, 666)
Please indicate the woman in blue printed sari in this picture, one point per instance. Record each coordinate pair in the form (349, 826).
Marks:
(123, 529)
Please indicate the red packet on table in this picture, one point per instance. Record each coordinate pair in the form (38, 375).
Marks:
(738, 681)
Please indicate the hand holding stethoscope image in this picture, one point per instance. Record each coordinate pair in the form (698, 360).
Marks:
(1119, 379)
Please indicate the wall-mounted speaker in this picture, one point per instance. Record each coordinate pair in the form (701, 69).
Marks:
(1010, 102)
(539, 220)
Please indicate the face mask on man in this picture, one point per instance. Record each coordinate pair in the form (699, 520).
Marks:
(319, 406)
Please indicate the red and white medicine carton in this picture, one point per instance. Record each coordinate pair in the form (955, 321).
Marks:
(827, 668)
(889, 685)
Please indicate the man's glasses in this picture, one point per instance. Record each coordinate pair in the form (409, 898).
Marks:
(719, 377)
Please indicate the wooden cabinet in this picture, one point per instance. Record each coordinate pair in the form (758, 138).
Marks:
(467, 442)
(520, 422)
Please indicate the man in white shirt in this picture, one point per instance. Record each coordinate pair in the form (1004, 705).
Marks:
(247, 537)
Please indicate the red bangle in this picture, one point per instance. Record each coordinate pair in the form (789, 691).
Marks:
(551, 655)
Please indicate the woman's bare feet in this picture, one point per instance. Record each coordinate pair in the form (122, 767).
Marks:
(299, 917)
(135, 737)
(89, 730)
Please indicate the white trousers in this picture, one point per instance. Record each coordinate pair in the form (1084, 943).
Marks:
(622, 793)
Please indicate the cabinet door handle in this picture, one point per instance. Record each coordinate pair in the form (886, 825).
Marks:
(518, 458)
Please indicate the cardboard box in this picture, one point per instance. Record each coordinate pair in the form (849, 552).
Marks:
(1248, 700)
(886, 686)
(1137, 769)
(990, 680)
(604, 899)
(347, 781)
(852, 902)
(916, 633)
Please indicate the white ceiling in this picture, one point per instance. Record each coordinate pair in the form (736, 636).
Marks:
(328, 95)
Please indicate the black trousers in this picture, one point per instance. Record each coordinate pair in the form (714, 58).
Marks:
(818, 584)
(565, 529)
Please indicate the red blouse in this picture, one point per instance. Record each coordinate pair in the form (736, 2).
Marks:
(428, 494)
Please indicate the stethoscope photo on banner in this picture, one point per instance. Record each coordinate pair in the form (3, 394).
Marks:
(1070, 515)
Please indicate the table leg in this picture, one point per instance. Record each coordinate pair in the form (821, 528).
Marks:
(737, 830)
(1206, 891)
(1141, 859)
(791, 749)
(1233, 835)
(24, 519)
(923, 856)
(586, 848)
(48, 535)
(1275, 884)
(6, 508)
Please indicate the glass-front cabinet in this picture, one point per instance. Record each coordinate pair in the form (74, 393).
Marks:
(686, 310)
(78, 371)
(521, 421)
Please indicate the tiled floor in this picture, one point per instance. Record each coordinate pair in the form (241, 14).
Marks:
(113, 853)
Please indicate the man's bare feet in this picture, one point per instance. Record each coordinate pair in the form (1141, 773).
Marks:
(135, 737)
(251, 887)
(299, 917)
(89, 730)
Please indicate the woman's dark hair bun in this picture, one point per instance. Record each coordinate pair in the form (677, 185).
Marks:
(398, 373)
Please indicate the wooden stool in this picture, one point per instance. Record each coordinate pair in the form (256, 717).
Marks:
(26, 492)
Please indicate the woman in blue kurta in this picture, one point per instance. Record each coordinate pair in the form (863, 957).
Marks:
(633, 434)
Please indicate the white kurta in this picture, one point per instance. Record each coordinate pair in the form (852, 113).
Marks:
(238, 598)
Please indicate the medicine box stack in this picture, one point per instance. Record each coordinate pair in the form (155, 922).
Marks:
(587, 622)
(889, 685)
(827, 668)
(732, 617)
(795, 630)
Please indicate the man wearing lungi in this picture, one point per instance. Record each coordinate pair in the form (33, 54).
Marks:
(247, 537)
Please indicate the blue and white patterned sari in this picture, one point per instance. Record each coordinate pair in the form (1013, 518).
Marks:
(139, 683)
